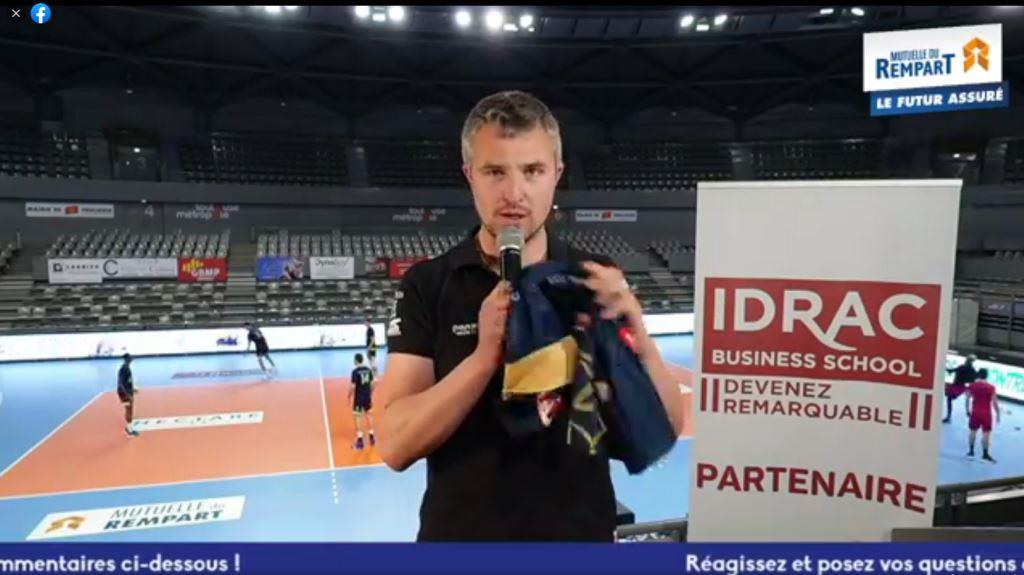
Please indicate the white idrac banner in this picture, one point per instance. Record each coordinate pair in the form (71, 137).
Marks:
(822, 311)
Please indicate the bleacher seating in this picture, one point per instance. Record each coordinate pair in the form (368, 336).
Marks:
(656, 166)
(120, 304)
(667, 248)
(662, 295)
(598, 242)
(27, 151)
(324, 301)
(7, 253)
(414, 164)
(1013, 172)
(126, 244)
(264, 160)
(818, 160)
(1007, 255)
(335, 243)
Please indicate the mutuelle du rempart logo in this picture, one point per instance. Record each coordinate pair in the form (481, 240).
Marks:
(935, 70)
(134, 517)
(932, 61)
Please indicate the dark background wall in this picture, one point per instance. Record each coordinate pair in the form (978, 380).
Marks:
(987, 212)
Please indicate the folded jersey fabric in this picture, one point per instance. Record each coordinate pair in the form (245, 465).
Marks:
(554, 368)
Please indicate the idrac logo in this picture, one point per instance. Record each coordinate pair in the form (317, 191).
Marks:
(805, 306)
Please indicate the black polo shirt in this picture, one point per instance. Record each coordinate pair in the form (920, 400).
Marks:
(481, 484)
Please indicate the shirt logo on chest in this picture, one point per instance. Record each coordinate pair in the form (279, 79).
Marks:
(464, 329)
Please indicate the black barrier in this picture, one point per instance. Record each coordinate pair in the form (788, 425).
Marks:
(960, 535)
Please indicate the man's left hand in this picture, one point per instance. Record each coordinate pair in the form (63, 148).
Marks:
(612, 293)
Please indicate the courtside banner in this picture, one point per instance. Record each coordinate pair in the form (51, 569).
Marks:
(74, 271)
(1008, 379)
(192, 270)
(823, 310)
(155, 342)
(333, 268)
(518, 559)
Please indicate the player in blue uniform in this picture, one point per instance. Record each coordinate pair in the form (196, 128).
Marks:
(361, 396)
(126, 392)
(262, 349)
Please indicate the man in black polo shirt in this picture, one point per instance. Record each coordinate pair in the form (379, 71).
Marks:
(441, 391)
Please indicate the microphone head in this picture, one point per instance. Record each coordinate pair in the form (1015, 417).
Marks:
(510, 238)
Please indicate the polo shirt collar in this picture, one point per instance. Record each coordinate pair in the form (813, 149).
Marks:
(466, 253)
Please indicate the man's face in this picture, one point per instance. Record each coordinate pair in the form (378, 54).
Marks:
(513, 178)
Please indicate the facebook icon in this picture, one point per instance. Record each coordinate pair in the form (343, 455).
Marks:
(40, 13)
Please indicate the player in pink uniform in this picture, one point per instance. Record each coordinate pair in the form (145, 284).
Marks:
(981, 404)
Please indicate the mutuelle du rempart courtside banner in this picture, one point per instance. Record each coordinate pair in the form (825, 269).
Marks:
(822, 316)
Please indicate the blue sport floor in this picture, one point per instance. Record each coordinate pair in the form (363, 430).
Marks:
(373, 503)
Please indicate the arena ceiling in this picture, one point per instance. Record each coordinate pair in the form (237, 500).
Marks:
(606, 63)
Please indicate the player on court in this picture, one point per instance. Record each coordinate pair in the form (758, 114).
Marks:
(126, 392)
(361, 395)
(981, 404)
(963, 375)
(262, 349)
(371, 347)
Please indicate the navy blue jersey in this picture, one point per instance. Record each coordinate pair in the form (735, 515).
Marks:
(125, 384)
(964, 374)
(256, 337)
(362, 378)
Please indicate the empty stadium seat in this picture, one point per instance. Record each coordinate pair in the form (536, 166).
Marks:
(285, 244)
(122, 243)
(414, 164)
(818, 160)
(598, 242)
(665, 166)
(257, 159)
(25, 150)
(1013, 169)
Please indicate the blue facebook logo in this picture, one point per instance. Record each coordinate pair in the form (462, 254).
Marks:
(40, 13)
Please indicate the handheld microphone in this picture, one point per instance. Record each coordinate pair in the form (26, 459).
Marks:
(510, 253)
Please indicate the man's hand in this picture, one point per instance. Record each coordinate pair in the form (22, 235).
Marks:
(491, 324)
(612, 293)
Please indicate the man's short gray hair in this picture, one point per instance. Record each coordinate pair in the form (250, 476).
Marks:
(515, 112)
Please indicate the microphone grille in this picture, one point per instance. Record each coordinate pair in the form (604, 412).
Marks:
(510, 237)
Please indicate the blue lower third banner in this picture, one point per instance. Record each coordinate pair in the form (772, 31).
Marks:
(944, 99)
(589, 559)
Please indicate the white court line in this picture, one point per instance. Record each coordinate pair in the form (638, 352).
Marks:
(49, 435)
(327, 423)
(188, 482)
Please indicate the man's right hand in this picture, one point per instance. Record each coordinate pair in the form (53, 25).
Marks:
(491, 324)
